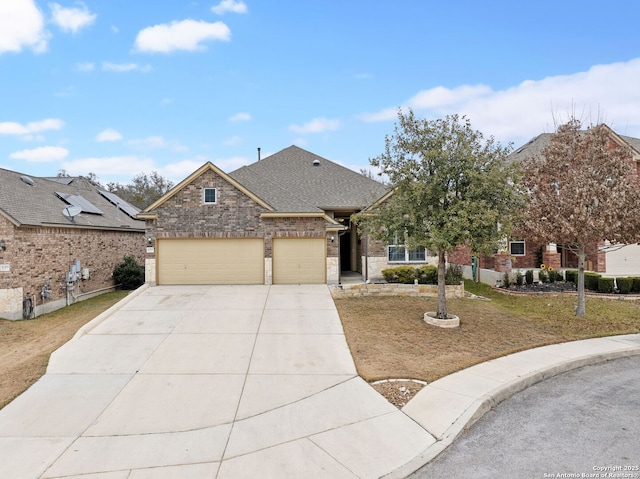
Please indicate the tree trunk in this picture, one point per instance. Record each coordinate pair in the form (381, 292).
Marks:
(580, 309)
(442, 297)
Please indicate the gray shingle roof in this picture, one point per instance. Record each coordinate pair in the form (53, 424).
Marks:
(40, 204)
(296, 180)
(535, 146)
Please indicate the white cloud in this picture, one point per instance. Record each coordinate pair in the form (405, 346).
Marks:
(232, 6)
(108, 134)
(13, 128)
(317, 125)
(85, 66)
(180, 35)
(71, 19)
(41, 155)
(232, 163)
(124, 67)
(157, 142)
(603, 93)
(110, 167)
(241, 116)
(178, 171)
(21, 26)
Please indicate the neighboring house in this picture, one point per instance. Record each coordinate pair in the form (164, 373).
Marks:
(284, 219)
(521, 254)
(50, 227)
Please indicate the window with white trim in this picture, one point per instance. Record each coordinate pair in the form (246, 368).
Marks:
(209, 196)
(517, 248)
(402, 254)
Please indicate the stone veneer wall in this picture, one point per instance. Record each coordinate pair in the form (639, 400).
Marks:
(40, 255)
(394, 289)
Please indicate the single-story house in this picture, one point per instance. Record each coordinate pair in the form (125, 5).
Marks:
(284, 219)
(521, 254)
(60, 239)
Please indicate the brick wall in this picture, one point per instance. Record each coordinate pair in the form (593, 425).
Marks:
(184, 215)
(39, 255)
(235, 215)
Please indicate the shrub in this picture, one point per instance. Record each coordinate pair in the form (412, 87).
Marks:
(528, 276)
(543, 276)
(401, 274)
(427, 274)
(453, 274)
(624, 285)
(606, 285)
(519, 278)
(636, 285)
(128, 274)
(506, 280)
(572, 275)
(553, 275)
(591, 281)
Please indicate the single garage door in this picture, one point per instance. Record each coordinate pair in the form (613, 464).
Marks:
(210, 261)
(299, 260)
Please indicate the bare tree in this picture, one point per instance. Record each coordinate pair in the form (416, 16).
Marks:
(143, 190)
(582, 189)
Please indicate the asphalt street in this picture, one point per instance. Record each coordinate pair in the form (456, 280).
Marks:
(583, 423)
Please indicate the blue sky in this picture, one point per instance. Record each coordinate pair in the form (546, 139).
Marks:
(121, 87)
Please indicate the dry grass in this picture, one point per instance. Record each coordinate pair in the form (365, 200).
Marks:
(25, 346)
(389, 339)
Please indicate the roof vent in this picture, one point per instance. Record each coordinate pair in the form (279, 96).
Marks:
(316, 162)
(27, 180)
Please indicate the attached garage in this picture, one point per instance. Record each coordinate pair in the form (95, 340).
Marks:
(299, 260)
(210, 261)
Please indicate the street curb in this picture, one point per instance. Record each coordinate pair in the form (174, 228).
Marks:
(484, 404)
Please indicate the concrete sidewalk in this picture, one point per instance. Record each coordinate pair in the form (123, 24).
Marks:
(244, 381)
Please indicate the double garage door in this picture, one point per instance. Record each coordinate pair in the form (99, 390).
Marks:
(239, 261)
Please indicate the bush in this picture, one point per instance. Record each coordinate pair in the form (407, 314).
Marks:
(553, 275)
(624, 285)
(591, 281)
(543, 276)
(636, 285)
(401, 274)
(128, 274)
(606, 285)
(572, 275)
(519, 278)
(427, 274)
(453, 275)
(506, 280)
(528, 276)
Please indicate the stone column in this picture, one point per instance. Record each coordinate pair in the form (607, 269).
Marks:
(551, 257)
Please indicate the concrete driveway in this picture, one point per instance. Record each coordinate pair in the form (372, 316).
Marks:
(207, 382)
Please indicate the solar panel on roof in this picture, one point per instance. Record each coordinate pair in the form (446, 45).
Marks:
(120, 203)
(81, 202)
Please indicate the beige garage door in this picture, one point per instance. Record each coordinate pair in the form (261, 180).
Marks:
(299, 260)
(210, 261)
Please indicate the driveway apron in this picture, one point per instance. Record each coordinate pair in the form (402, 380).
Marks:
(207, 382)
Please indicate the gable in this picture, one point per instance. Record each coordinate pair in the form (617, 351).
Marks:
(207, 174)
